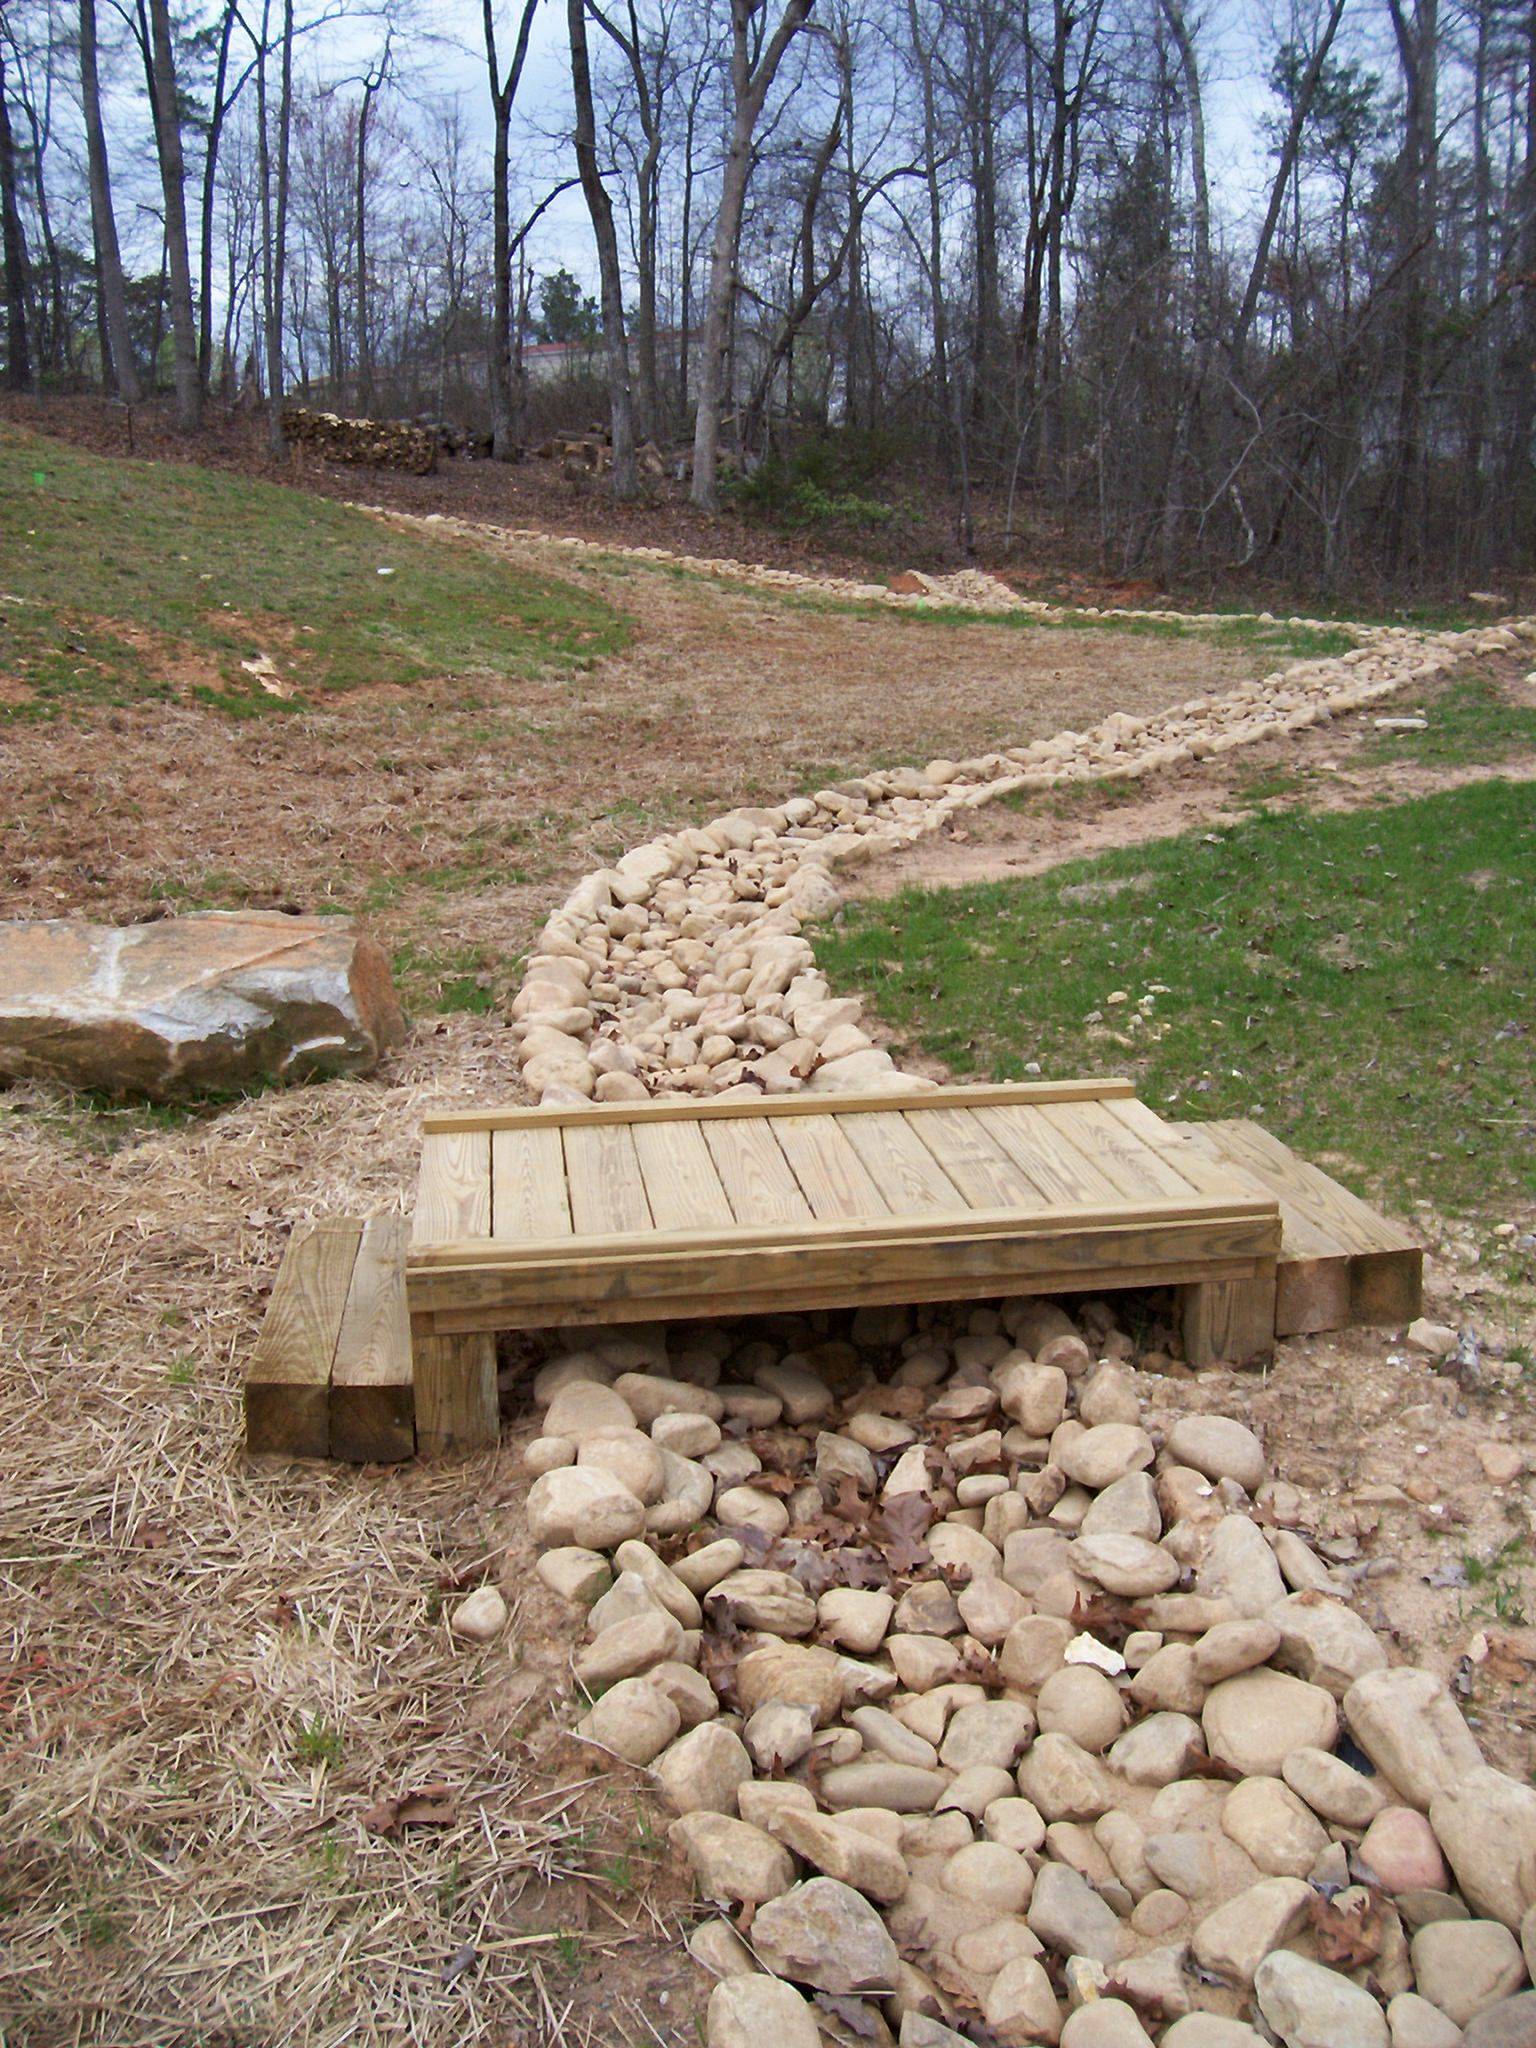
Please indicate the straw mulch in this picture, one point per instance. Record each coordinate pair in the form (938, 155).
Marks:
(215, 1678)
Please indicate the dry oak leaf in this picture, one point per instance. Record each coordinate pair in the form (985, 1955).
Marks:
(1348, 1937)
(430, 1806)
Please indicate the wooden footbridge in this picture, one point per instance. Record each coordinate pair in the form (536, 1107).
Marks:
(380, 1341)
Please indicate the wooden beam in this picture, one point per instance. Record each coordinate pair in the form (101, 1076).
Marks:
(1229, 1322)
(288, 1380)
(373, 1406)
(510, 1115)
(456, 1408)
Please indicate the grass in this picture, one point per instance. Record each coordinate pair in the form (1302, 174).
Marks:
(1362, 982)
(131, 580)
(1471, 721)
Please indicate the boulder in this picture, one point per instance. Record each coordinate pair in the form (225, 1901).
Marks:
(211, 1002)
(1412, 1731)
(1254, 1721)
(1466, 1966)
(1486, 1824)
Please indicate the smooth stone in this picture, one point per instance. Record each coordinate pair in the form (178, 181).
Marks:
(892, 1738)
(1486, 1824)
(1128, 1566)
(1414, 2023)
(764, 1800)
(718, 1948)
(731, 1859)
(989, 1608)
(990, 1875)
(548, 1454)
(1402, 1854)
(688, 1690)
(579, 1506)
(794, 1674)
(900, 1788)
(1325, 1642)
(838, 1849)
(974, 1789)
(661, 1580)
(1210, 2030)
(1218, 1448)
(995, 1732)
(1016, 1823)
(1334, 1789)
(1158, 1750)
(629, 1648)
(1068, 1915)
(1105, 2023)
(826, 1935)
(583, 1408)
(481, 1617)
(1098, 1457)
(774, 1602)
(1020, 2007)
(1233, 1647)
(1082, 1703)
(1465, 1966)
(748, 2011)
(634, 1719)
(1063, 1781)
(1254, 1721)
(1312, 2007)
(1510, 2025)
(690, 1436)
(855, 1618)
(575, 1574)
(1128, 1508)
(749, 1507)
(1181, 1860)
(704, 1770)
(1232, 1941)
(1412, 1731)
(1279, 1834)
(1032, 1649)
(630, 1456)
(702, 1569)
(1240, 1567)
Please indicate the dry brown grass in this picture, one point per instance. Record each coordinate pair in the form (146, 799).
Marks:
(211, 1670)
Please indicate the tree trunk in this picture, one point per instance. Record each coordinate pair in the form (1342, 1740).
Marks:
(749, 91)
(600, 207)
(109, 262)
(216, 117)
(18, 352)
(504, 444)
(173, 184)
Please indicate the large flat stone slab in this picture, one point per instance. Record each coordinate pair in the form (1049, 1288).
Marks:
(215, 1001)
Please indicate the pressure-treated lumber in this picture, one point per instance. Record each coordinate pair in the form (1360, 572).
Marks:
(455, 1391)
(288, 1380)
(372, 1400)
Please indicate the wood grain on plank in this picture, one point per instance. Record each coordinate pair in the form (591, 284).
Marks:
(288, 1380)
(513, 1114)
(456, 1406)
(1057, 1167)
(901, 1165)
(1135, 1167)
(682, 1183)
(832, 1176)
(528, 1193)
(372, 1406)
(602, 1174)
(755, 1174)
(453, 1190)
(965, 1150)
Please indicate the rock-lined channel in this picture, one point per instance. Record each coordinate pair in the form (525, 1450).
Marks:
(997, 1698)
(1000, 1698)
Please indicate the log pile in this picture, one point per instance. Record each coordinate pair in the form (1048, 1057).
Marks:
(386, 444)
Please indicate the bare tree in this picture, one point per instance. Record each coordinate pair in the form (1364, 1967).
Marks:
(155, 27)
(600, 209)
(504, 87)
(109, 262)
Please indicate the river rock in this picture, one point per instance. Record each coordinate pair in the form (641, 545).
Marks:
(898, 1788)
(1020, 2006)
(580, 1506)
(628, 1648)
(1063, 1781)
(1272, 1826)
(1210, 2030)
(703, 1770)
(1414, 2023)
(1465, 1966)
(747, 2012)
(635, 1719)
(1219, 1448)
(1254, 1721)
(1240, 1567)
(217, 1001)
(732, 1859)
(796, 1674)
(1325, 1642)
(1158, 1750)
(991, 1732)
(829, 1936)
(1510, 2025)
(1233, 1940)
(1486, 1824)
(1068, 1915)
(1412, 1731)
(1334, 1789)
(1098, 1457)
(1126, 1565)
(1082, 1703)
(1401, 1853)
(1311, 2007)
(1105, 2023)
(840, 1849)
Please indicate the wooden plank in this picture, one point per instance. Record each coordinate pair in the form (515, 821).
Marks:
(955, 1222)
(373, 1403)
(1137, 1168)
(901, 1165)
(528, 1195)
(453, 1189)
(681, 1181)
(624, 1283)
(972, 1159)
(456, 1407)
(288, 1380)
(755, 1174)
(832, 1176)
(1053, 1163)
(839, 1293)
(602, 1175)
(1229, 1322)
(1203, 1163)
(508, 1116)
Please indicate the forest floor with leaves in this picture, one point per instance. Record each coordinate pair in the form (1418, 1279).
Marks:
(252, 1791)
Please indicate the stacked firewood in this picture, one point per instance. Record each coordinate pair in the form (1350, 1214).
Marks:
(387, 444)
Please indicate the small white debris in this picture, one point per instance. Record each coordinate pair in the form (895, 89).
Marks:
(383, 572)
(1401, 724)
(1087, 1649)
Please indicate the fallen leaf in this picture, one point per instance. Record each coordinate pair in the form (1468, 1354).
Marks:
(1348, 1937)
(150, 1536)
(431, 1806)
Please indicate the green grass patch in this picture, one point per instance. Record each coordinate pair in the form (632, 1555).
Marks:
(1471, 723)
(1361, 982)
(130, 580)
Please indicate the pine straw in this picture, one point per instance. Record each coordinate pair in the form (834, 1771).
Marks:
(210, 1668)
